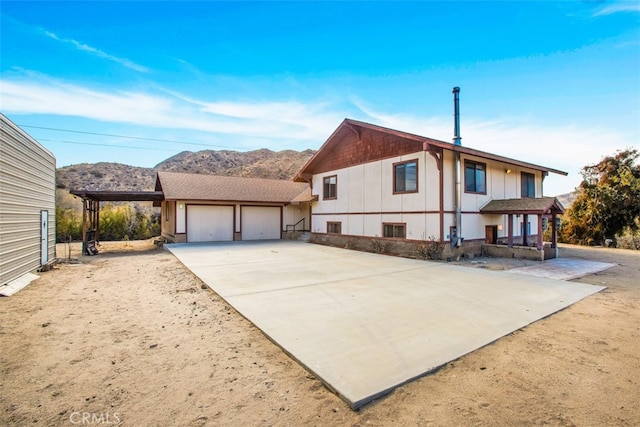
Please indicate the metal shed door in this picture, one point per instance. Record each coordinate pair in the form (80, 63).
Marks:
(44, 237)
(260, 222)
(209, 223)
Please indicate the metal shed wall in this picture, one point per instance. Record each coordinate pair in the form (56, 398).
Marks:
(27, 187)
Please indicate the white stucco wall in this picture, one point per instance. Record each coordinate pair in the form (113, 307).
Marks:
(181, 217)
(291, 214)
(365, 198)
(500, 185)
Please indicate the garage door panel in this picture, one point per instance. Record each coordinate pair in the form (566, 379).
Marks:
(209, 223)
(260, 222)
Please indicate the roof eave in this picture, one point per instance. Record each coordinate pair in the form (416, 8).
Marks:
(499, 158)
(305, 176)
(119, 196)
(300, 176)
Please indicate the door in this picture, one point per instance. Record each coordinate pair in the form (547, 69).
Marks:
(261, 222)
(207, 223)
(44, 237)
(491, 234)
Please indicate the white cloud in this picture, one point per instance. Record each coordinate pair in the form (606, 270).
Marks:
(618, 7)
(294, 124)
(97, 52)
(282, 123)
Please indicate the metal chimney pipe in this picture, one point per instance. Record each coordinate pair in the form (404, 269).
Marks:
(457, 240)
(456, 116)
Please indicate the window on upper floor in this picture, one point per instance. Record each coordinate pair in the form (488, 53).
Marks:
(405, 177)
(475, 177)
(330, 187)
(334, 227)
(528, 185)
(395, 230)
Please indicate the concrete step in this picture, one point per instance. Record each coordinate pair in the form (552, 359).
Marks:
(305, 237)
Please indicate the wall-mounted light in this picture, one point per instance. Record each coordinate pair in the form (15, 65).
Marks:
(499, 227)
(507, 171)
(181, 206)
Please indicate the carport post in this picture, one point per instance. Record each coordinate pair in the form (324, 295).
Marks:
(97, 223)
(84, 225)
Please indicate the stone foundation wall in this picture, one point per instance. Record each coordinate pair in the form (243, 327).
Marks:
(175, 238)
(521, 252)
(418, 249)
(291, 235)
(549, 252)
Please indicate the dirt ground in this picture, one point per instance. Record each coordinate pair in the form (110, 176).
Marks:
(130, 337)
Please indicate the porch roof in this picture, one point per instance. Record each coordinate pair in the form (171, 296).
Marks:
(527, 205)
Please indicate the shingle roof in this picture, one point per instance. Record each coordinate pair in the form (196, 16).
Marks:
(188, 186)
(526, 205)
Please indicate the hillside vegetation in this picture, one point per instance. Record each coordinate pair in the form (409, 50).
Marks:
(254, 164)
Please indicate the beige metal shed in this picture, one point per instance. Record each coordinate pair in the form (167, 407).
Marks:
(27, 203)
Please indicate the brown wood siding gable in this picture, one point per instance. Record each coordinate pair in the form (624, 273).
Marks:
(355, 146)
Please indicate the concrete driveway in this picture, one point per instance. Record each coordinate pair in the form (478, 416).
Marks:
(366, 323)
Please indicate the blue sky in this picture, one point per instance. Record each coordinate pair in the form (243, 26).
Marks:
(553, 83)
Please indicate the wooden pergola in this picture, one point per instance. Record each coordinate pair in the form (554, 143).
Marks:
(91, 211)
(542, 207)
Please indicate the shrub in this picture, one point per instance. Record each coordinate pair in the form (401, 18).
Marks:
(68, 225)
(430, 249)
(630, 239)
(379, 246)
(114, 222)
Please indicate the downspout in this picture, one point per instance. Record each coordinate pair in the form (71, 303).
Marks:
(458, 181)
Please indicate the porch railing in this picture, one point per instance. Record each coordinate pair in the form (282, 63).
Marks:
(292, 227)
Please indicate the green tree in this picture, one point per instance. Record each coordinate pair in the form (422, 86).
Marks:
(126, 223)
(68, 224)
(144, 224)
(608, 200)
(114, 222)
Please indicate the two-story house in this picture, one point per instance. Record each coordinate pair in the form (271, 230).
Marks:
(375, 183)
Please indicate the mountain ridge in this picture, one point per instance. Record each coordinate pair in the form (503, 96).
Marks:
(109, 176)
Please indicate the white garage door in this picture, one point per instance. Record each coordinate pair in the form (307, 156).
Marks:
(209, 223)
(260, 222)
